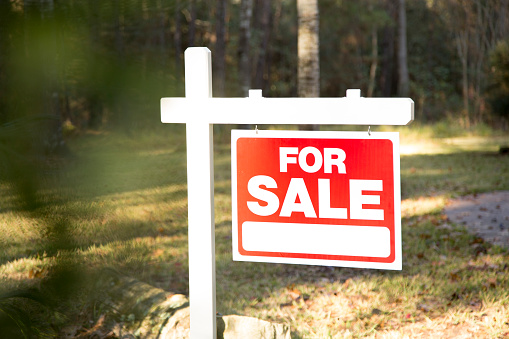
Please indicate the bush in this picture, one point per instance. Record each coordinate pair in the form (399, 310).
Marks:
(498, 89)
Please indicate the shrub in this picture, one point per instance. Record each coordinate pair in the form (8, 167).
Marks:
(498, 89)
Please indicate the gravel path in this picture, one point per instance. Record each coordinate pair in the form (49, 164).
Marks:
(486, 215)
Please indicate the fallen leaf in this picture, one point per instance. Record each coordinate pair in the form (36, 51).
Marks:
(490, 283)
(35, 273)
(347, 283)
(456, 296)
(477, 240)
(454, 276)
(294, 294)
(424, 308)
(157, 253)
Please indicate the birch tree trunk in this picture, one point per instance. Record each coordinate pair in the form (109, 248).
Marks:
(308, 51)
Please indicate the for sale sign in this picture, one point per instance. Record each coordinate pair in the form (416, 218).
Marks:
(317, 198)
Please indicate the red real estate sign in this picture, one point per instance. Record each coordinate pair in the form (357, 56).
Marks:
(317, 198)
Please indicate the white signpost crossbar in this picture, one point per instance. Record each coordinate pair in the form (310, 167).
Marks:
(199, 111)
(324, 111)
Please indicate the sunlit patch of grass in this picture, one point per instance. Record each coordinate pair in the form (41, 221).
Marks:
(422, 205)
(22, 270)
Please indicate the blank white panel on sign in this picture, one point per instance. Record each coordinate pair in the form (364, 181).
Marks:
(364, 241)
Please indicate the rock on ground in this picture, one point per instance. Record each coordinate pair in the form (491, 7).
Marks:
(137, 310)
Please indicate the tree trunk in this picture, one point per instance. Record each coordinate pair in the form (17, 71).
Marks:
(308, 51)
(119, 30)
(462, 47)
(219, 49)
(161, 32)
(192, 23)
(264, 44)
(246, 12)
(502, 28)
(387, 65)
(374, 62)
(178, 40)
(403, 81)
(244, 51)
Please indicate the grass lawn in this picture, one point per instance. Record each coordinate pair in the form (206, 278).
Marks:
(120, 201)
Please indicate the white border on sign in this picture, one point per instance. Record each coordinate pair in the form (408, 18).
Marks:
(392, 136)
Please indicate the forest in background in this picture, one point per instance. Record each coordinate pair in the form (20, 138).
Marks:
(90, 64)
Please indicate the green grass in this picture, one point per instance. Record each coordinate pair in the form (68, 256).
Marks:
(120, 201)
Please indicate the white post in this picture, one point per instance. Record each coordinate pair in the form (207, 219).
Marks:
(200, 193)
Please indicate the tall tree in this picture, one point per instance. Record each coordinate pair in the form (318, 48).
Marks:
(387, 60)
(308, 50)
(246, 12)
(374, 56)
(264, 27)
(403, 79)
(244, 51)
(192, 23)
(220, 49)
(178, 38)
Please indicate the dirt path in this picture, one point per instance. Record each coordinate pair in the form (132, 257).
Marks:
(486, 215)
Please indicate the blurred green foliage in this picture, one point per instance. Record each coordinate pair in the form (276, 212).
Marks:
(499, 88)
